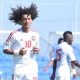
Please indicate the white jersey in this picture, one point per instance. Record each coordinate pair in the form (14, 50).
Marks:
(54, 48)
(17, 40)
(66, 55)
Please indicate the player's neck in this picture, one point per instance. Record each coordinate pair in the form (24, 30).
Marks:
(26, 30)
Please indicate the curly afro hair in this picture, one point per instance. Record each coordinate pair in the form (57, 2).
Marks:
(17, 13)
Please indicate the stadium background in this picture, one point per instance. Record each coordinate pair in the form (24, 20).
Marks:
(55, 17)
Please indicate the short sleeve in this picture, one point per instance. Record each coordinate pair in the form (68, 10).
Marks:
(9, 41)
(54, 48)
(37, 41)
(71, 55)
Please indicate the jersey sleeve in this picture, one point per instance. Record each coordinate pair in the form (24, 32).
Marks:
(9, 42)
(54, 48)
(71, 55)
(54, 56)
(37, 41)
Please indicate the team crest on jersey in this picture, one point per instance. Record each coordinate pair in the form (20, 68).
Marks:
(33, 38)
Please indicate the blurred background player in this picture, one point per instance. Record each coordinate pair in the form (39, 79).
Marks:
(23, 43)
(65, 57)
(53, 61)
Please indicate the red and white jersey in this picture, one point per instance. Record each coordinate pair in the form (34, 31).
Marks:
(19, 39)
(66, 55)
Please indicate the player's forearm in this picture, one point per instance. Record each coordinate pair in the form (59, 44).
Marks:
(49, 64)
(8, 51)
(76, 63)
(72, 65)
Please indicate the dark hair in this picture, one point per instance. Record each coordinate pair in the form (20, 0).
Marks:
(60, 40)
(16, 14)
(65, 34)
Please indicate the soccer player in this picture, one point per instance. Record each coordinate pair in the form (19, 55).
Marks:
(65, 56)
(53, 61)
(60, 40)
(23, 43)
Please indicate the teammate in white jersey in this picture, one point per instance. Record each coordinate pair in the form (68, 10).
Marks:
(65, 56)
(23, 44)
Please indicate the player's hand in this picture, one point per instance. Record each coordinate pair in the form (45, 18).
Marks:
(36, 50)
(22, 51)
